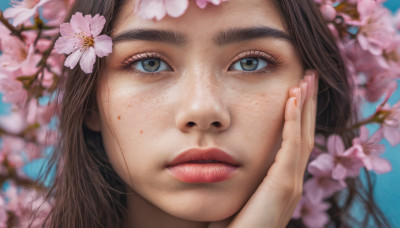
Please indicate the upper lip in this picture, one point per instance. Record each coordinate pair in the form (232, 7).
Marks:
(206, 155)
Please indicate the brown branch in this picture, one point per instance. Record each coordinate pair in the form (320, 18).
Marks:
(24, 134)
(22, 182)
(13, 30)
(364, 122)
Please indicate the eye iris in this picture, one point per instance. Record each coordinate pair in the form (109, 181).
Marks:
(151, 65)
(249, 64)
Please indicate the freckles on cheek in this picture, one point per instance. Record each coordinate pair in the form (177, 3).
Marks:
(262, 115)
(140, 131)
(132, 112)
(264, 107)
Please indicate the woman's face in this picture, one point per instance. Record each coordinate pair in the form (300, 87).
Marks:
(212, 79)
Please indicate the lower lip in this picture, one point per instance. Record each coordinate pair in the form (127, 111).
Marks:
(202, 172)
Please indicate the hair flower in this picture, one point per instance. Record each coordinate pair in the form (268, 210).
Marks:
(81, 39)
(149, 9)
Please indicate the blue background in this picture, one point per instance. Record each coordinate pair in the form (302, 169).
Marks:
(387, 186)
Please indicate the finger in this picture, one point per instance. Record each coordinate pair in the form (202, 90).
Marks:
(288, 155)
(308, 119)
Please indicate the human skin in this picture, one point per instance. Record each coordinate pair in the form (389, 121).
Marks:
(204, 100)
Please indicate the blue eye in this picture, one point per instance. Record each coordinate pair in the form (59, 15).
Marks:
(151, 65)
(249, 64)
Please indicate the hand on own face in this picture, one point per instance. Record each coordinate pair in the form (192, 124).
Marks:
(278, 195)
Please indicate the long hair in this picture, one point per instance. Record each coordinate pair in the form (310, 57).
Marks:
(87, 191)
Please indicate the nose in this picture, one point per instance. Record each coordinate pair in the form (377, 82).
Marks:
(202, 106)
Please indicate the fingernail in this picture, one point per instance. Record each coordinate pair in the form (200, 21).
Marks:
(304, 90)
(310, 80)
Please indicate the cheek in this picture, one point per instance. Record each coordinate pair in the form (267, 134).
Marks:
(260, 113)
(261, 117)
(129, 121)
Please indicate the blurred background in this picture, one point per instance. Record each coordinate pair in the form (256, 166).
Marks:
(387, 186)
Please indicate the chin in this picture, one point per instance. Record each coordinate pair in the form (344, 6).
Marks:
(204, 209)
(205, 214)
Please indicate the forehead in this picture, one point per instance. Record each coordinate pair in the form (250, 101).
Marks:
(206, 22)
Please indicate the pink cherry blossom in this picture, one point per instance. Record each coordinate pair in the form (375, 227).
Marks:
(320, 141)
(37, 113)
(377, 86)
(55, 11)
(391, 88)
(363, 8)
(203, 3)
(397, 19)
(25, 204)
(149, 9)
(375, 35)
(391, 123)
(16, 53)
(81, 39)
(158, 9)
(321, 185)
(23, 10)
(13, 149)
(3, 213)
(313, 214)
(13, 90)
(369, 149)
(46, 137)
(328, 11)
(343, 163)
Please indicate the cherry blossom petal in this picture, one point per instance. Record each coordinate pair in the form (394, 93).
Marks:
(176, 8)
(322, 165)
(202, 3)
(73, 59)
(339, 172)
(97, 25)
(88, 19)
(328, 11)
(13, 12)
(381, 165)
(79, 24)
(65, 45)
(66, 29)
(335, 145)
(313, 191)
(22, 17)
(103, 45)
(392, 135)
(149, 9)
(88, 59)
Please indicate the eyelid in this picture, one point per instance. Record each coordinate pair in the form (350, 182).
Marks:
(256, 54)
(129, 62)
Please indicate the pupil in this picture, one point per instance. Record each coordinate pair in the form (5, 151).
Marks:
(151, 65)
(249, 64)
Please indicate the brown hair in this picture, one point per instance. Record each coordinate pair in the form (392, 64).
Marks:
(88, 193)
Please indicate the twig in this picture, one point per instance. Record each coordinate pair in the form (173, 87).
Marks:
(364, 122)
(13, 30)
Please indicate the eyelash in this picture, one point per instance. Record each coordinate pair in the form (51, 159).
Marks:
(270, 60)
(128, 63)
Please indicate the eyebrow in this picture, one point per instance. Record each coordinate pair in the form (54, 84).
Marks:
(223, 38)
(242, 34)
(167, 36)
